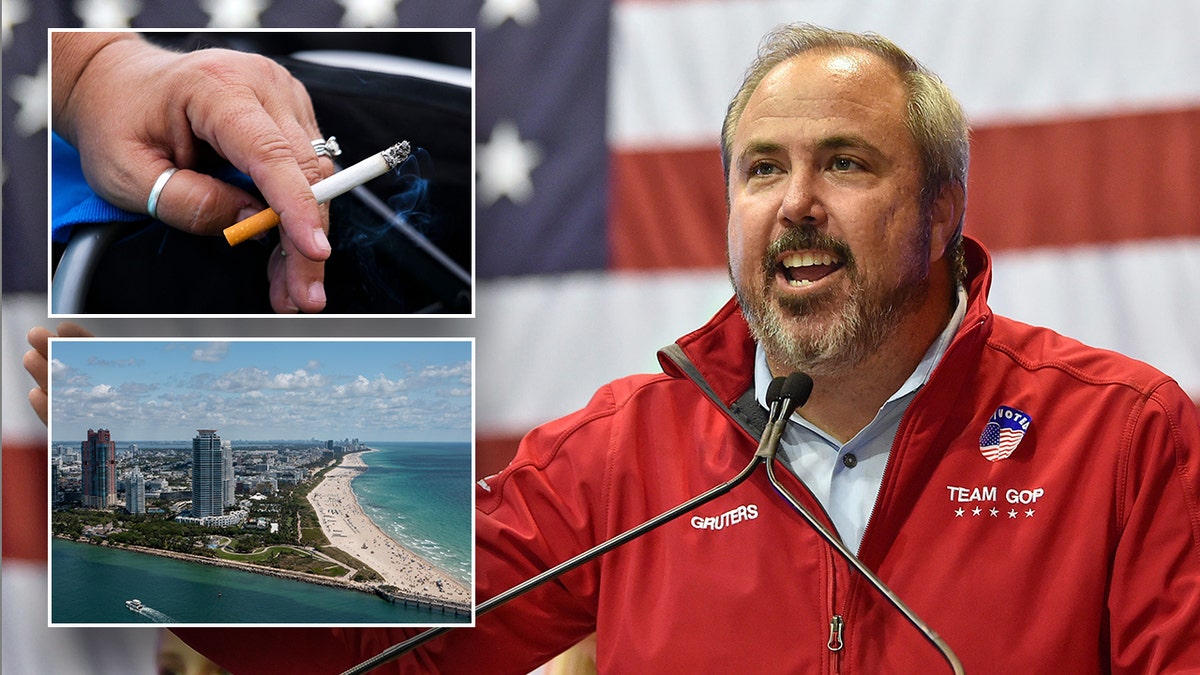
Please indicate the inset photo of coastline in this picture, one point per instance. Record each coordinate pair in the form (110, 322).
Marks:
(280, 482)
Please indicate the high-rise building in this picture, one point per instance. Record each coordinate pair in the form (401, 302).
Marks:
(208, 474)
(135, 492)
(55, 493)
(228, 480)
(99, 459)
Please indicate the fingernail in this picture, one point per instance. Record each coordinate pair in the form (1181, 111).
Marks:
(320, 241)
(245, 213)
(316, 292)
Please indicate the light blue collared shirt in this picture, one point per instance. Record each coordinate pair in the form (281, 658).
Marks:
(845, 478)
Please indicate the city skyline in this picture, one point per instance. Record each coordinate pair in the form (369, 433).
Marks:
(251, 389)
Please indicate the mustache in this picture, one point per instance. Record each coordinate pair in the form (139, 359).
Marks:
(806, 238)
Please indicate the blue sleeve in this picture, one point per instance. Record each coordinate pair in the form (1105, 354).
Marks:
(72, 201)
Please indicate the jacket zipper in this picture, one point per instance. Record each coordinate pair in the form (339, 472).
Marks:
(835, 644)
(837, 624)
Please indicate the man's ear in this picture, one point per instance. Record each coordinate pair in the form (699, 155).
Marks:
(946, 218)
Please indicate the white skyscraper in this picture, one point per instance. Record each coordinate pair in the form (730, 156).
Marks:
(228, 480)
(208, 474)
(135, 492)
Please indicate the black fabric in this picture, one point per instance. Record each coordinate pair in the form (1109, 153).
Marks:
(154, 269)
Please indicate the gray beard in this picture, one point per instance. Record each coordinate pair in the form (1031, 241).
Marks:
(862, 325)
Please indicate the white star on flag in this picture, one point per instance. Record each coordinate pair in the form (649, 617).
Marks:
(368, 13)
(506, 165)
(495, 12)
(107, 13)
(12, 12)
(31, 95)
(234, 13)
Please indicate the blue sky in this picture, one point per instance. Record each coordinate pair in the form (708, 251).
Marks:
(374, 390)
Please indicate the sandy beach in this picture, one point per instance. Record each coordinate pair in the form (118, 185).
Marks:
(348, 528)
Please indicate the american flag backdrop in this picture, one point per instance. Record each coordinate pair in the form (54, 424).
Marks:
(600, 211)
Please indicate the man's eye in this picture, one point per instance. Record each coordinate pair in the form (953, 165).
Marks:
(763, 169)
(844, 164)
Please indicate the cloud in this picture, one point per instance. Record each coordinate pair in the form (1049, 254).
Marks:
(213, 352)
(138, 388)
(119, 363)
(460, 371)
(298, 379)
(63, 374)
(362, 387)
(251, 379)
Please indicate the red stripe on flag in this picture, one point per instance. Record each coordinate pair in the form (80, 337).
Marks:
(24, 505)
(493, 453)
(667, 210)
(1063, 183)
(1089, 181)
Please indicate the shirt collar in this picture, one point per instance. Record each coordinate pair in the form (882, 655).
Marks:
(917, 379)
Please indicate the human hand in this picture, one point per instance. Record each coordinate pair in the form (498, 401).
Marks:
(37, 361)
(134, 110)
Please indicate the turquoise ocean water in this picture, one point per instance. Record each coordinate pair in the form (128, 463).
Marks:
(418, 493)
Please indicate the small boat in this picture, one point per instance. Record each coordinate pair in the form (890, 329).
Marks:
(134, 605)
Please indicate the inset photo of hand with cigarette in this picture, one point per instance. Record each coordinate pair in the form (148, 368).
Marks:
(207, 173)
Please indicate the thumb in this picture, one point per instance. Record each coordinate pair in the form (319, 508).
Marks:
(200, 204)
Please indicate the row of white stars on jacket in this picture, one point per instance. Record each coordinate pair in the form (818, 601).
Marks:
(992, 512)
(246, 13)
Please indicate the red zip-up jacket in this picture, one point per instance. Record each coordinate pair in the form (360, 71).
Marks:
(1077, 552)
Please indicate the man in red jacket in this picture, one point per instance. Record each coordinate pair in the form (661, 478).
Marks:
(1034, 500)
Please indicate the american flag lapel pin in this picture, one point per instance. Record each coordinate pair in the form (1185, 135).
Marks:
(1003, 433)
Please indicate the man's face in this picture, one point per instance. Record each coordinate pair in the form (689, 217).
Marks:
(828, 248)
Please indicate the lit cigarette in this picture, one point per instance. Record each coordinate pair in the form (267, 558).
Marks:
(339, 183)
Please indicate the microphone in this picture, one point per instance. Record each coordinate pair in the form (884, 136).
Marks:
(792, 391)
(784, 395)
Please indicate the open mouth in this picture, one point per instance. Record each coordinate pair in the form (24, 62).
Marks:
(808, 267)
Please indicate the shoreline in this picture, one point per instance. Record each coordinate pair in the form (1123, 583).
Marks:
(349, 529)
(334, 582)
(431, 605)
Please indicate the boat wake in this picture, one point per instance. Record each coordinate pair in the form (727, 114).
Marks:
(154, 615)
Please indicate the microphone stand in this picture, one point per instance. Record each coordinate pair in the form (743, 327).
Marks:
(836, 542)
(784, 395)
(784, 403)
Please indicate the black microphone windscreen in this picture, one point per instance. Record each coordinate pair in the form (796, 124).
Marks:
(774, 390)
(796, 389)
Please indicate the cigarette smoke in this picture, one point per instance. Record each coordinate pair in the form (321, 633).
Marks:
(379, 252)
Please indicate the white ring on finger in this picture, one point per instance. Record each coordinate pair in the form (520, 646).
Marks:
(156, 191)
